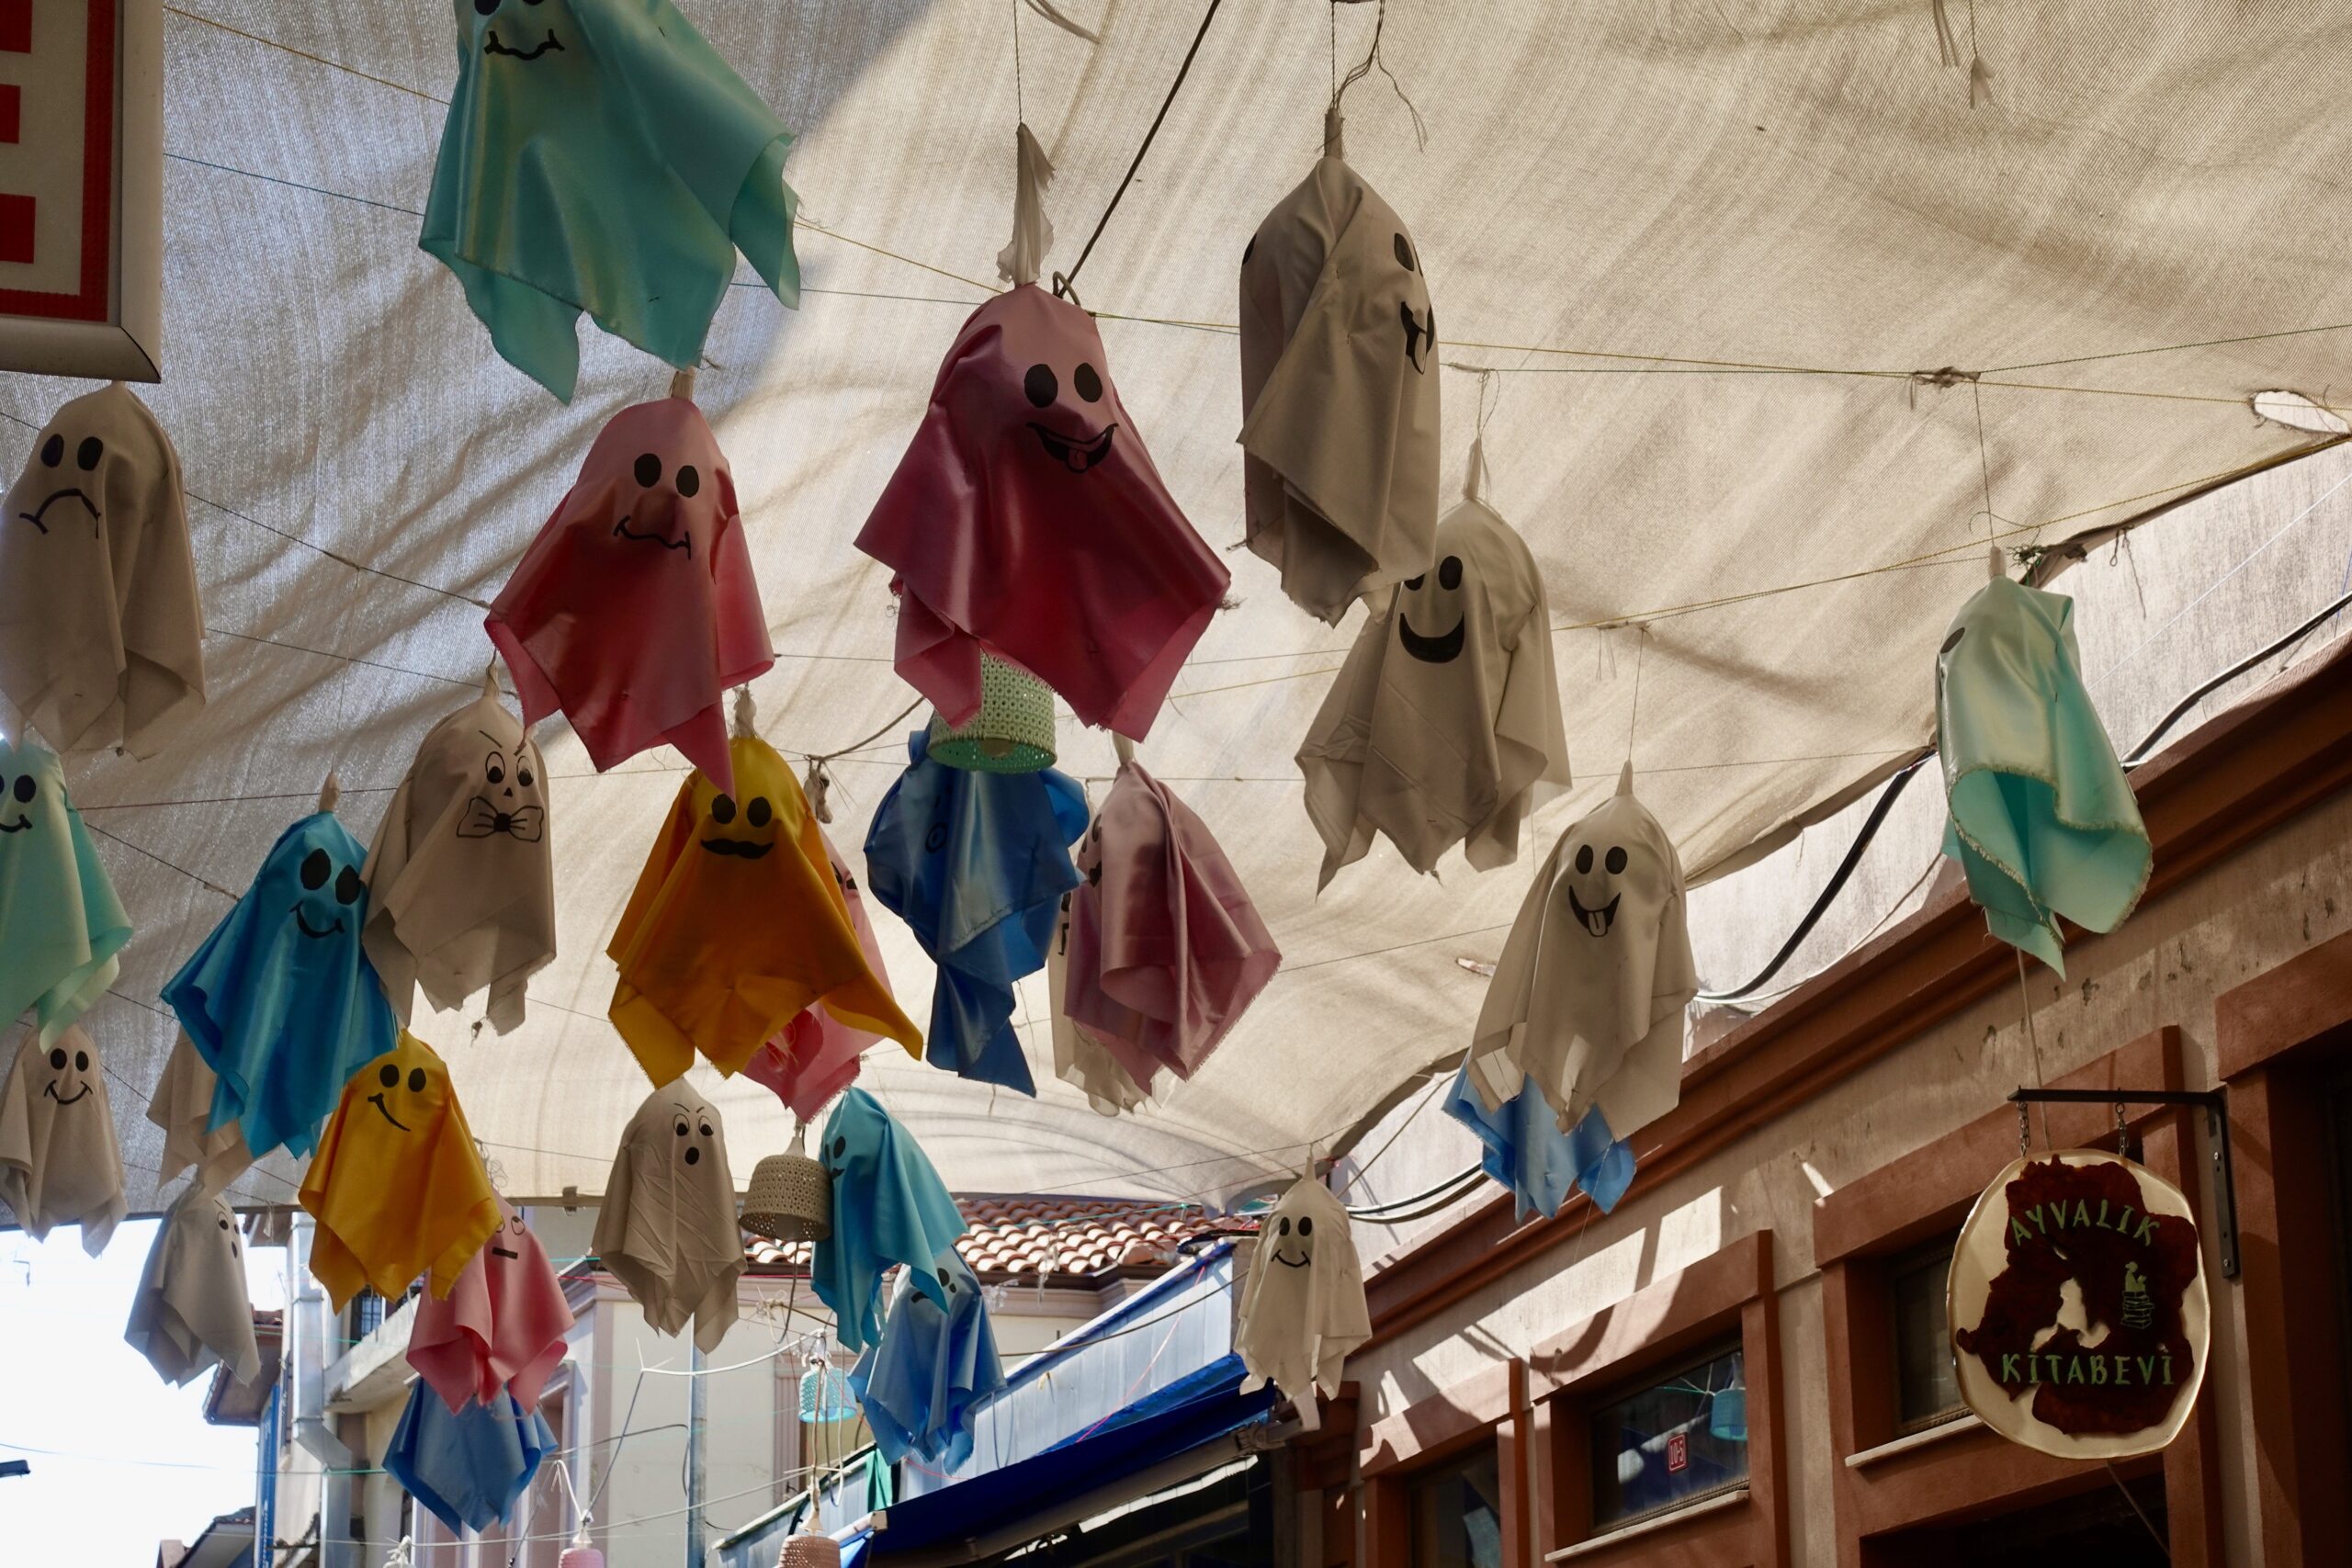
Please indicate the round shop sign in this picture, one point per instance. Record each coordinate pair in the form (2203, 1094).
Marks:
(2077, 1307)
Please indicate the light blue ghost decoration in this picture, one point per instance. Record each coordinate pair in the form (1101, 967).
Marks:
(977, 864)
(599, 156)
(2044, 820)
(890, 1207)
(281, 1001)
(1525, 1150)
(466, 1466)
(919, 1386)
(61, 925)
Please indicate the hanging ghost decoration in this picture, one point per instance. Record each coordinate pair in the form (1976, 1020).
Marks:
(737, 925)
(976, 864)
(461, 877)
(1521, 1147)
(890, 1207)
(815, 1056)
(59, 1161)
(60, 924)
(101, 633)
(1303, 1306)
(1589, 995)
(635, 608)
(1027, 518)
(2043, 819)
(933, 1365)
(599, 156)
(1165, 948)
(280, 999)
(667, 1228)
(182, 1107)
(502, 1326)
(192, 1311)
(1111, 1072)
(398, 1187)
(1444, 725)
(468, 1467)
(1339, 395)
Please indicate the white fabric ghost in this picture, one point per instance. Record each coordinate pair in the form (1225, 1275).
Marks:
(1444, 725)
(101, 633)
(1080, 1057)
(1589, 995)
(191, 1310)
(59, 1161)
(667, 1229)
(1302, 1308)
(181, 1106)
(1339, 393)
(461, 877)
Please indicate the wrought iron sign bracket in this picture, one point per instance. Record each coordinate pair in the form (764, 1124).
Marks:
(2216, 1106)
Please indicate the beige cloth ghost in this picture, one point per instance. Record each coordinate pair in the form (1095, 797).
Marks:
(667, 1229)
(1589, 995)
(1302, 1308)
(181, 1106)
(191, 1310)
(1444, 725)
(461, 877)
(101, 632)
(59, 1161)
(1340, 392)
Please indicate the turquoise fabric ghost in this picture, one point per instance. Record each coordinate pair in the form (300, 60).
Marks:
(890, 1207)
(281, 1001)
(919, 1385)
(2044, 820)
(599, 156)
(977, 864)
(466, 1466)
(1523, 1148)
(61, 925)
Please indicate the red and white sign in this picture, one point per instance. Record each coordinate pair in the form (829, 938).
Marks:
(1678, 1452)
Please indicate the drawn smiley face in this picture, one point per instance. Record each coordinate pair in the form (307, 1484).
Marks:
(507, 799)
(63, 479)
(226, 1221)
(506, 1241)
(1294, 1243)
(19, 792)
(388, 1094)
(744, 831)
(691, 1131)
(71, 1084)
(1420, 332)
(1598, 917)
(329, 889)
(1435, 603)
(527, 21)
(1062, 432)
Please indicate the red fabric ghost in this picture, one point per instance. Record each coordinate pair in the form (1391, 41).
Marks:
(1026, 516)
(635, 608)
(815, 1056)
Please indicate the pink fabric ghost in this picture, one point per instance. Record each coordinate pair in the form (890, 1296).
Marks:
(501, 1325)
(1166, 950)
(1026, 516)
(635, 608)
(814, 1058)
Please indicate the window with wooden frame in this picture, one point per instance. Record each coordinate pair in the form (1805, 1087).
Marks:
(1927, 1388)
(1671, 1440)
(1457, 1512)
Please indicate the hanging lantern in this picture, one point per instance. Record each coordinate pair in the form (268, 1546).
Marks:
(825, 1394)
(791, 1197)
(1013, 732)
(581, 1557)
(809, 1552)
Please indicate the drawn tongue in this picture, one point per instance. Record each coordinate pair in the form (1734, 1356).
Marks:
(1597, 921)
(1076, 459)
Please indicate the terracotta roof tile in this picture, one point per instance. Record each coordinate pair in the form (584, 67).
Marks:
(1053, 1238)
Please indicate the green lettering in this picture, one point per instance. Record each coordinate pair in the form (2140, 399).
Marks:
(2147, 1232)
(2008, 1366)
(2099, 1369)
(2167, 1371)
(2082, 1213)
(2033, 1369)
(2124, 1225)
(2075, 1369)
(2039, 1224)
(2057, 1373)
(2147, 1368)
(2122, 1371)
(2018, 1230)
(2101, 1220)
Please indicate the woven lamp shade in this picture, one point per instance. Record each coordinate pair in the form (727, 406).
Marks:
(1013, 732)
(809, 1551)
(791, 1198)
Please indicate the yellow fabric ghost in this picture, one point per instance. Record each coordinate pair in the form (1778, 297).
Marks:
(397, 1186)
(737, 925)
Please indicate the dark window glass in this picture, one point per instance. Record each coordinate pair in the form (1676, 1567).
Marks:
(1927, 1388)
(1679, 1437)
(1458, 1515)
(2339, 1138)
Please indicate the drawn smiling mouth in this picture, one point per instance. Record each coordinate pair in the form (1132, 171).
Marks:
(491, 46)
(622, 530)
(60, 1099)
(18, 826)
(303, 925)
(1079, 454)
(1442, 649)
(742, 849)
(504, 1252)
(1597, 921)
(34, 517)
(1287, 1263)
(377, 1101)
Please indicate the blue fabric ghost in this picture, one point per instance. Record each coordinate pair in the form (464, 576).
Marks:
(599, 156)
(61, 925)
(890, 1207)
(281, 1001)
(1525, 1150)
(2043, 819)
(977, 864)
(919, 1385)
(466, 1466)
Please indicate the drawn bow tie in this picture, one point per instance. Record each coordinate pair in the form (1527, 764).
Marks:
(482, 819)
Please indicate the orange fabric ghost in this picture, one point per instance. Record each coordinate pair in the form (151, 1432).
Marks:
(736, 925)
(397, 1186)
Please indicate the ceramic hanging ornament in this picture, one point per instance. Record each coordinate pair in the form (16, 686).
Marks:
(62, 927)
(59, 1161)
(667, 1227)
(191, 1310)
(1302, 1308)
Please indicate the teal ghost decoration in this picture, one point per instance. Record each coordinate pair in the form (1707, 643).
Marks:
(599, 156)
(2044, 820)
(61, 925)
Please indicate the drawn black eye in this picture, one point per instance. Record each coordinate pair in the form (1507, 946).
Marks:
(682, 1129)
(224, 1224)
(1405, 254)
(1413, 584)
(416, 1080)
(1088, 382)
(1041, 385)
(523, 774)
(493, 768)
(347, 886)
(1584, 859)
(1281, 1226)
(841, 1148)
(1953, 640)
(486, 8)
(705, 1129)
(1615, 859)
(81, 1061)
(946, 1281)
(1307, 1225)
(52, 451)
(689, 481)
(57, 1060)
(89, 452)
(722, 808)
(937, 839)
(649, 467)
(315, 867)
(1449, 573)
(26, 787)
(389, 1078)
(759, 811)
